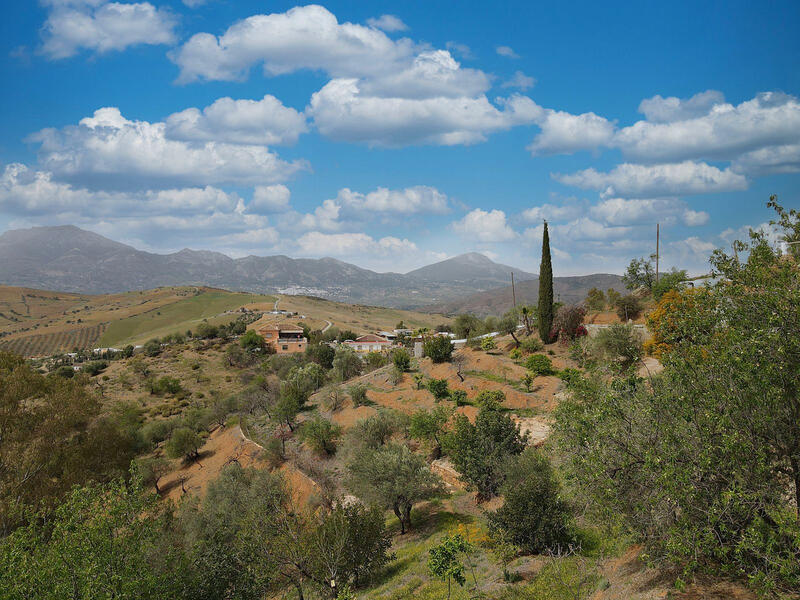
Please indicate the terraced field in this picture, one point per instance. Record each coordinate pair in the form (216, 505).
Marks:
(55, 342)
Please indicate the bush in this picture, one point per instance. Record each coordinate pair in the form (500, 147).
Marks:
(618, 346)
(65, 371)
(531, 344)
(152, 348)
(459, 397)
(95, 367)
(184, 443)
(358, 394)
(515, 354)
(629, 307)
(322, 354)
(377, 430)
(533, 516)
(479, 451)
(491, 399)
(165, 385)
(347, 364)
(156, 432)
(252, 342)
(488, 343)
(568, 321)
(321, 435)
(439, 389)
(376, 360)
(401, 359)
(206, 331)
(438, 348)
(539, 364)
(395, 375)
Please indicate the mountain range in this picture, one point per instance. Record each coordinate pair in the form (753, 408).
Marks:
(67, 258)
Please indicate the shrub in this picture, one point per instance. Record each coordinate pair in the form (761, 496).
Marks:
(488, 343)
(459, 397)
(95, 367)
(439, 389)
(533, 516)
(322, 354)
(165, 385)
(251, 341)
(321, 435)
(491, 399)
(65, 371)
(438, 348)
(629, 307)
(401, 359)
(376, 360)
(206, 331)
(479, 451)
(395, 375)
(568, 320)
(156, 432)
(618, 346)
(377, 430)
(531, 344)
(419, 380)
(515, 354)
(184, 443)
(152, 348)
(539, 364)
(347, 364)
(358, 394)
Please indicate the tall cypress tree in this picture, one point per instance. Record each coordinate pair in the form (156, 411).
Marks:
(545, 289)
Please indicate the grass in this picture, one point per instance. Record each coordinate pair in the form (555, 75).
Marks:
(177, 317)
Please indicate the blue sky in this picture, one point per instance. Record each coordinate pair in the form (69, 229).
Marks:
(394, 134)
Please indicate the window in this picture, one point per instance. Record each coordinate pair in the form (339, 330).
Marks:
(285, 347)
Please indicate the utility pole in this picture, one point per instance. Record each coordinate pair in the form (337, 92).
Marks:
(658, 239)
(513, 290)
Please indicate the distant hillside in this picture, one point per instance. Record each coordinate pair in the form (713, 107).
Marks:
(498, 301)
(70, 259)
(472, 269)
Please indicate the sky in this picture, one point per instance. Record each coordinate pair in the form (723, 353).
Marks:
(396, 134)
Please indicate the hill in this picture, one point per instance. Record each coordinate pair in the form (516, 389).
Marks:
(497, 301)
(70, 259)
(40, 323)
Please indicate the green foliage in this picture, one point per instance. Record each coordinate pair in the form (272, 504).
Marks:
(444, 560)
(701, 460)
(65, 372)
(99, 530)
(152, 348)
(479, 451)
(431, 425)
(419, 380)
(619, 346)
(184, 443)
(641, 272)
(467, 326)
(672, 280)
(539, 365)
(95, 367)
(252, 341)
(545, 307)
(438, 348)
(322, 354)
(439, 389)
(376, 360)
(165, 385)
(629, 307)
(515, 354)
(151, 470)
(595, 299)
(393, 477)
(401, 359)
(459, 397)
(488, 344)
(321, 435)
(531, 345)
(52, 436)
(347, 364)
(527, 381)
(533, 515)
(206, 331)
(301, 382)
(358, 394)
(377, 430)
(491, 399)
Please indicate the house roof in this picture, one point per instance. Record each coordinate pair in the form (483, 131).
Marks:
(371, 338)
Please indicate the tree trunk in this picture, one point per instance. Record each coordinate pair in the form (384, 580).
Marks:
(407, 515)
(399, 515)
(514, 336)
(299, 589)
(796, 471)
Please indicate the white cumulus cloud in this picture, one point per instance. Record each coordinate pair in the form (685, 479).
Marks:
(269, 199)
(257, 122)
(387, 23)
(485, 226)
(102, 26)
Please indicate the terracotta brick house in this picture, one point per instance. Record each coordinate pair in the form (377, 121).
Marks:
(285, 339)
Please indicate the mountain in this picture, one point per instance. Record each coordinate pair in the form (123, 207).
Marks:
(70, 259)
(569, 290)
(472, 269)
